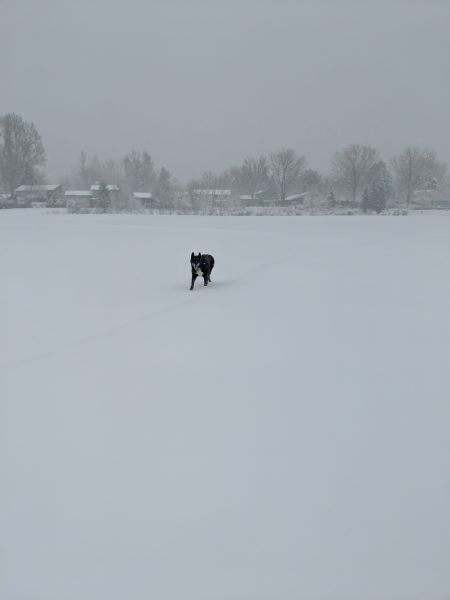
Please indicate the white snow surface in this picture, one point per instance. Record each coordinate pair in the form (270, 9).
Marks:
(283, 433)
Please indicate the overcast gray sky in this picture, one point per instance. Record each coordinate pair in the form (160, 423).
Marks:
(202, 84)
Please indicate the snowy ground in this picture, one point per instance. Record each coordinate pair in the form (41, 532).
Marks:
(281, 434)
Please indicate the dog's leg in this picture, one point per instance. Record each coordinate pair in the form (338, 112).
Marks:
(194, 277)
(205, 279)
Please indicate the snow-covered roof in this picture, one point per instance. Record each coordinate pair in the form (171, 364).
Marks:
(258, 196)
(38, 188)
(82, 193)
(142, 195)
(296, 197)
(213, 192)
(95, 187)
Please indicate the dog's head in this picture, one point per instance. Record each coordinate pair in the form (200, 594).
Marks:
(195, 261)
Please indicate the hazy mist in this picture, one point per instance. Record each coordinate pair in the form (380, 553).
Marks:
(202, 84)
(279, 430)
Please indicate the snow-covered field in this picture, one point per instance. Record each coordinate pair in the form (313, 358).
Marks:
(281, 434)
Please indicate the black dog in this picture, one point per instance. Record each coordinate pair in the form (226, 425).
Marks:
(202, 264)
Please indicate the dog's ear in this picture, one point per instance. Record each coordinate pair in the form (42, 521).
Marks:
(199, 254)
(192, 255)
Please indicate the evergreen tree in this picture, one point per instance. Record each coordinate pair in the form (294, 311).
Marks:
(365, 202)
(103, 198)
(387, 183)
(165, 189)
(331, 199)
(374, 198)
(377, 196)
(380, 174)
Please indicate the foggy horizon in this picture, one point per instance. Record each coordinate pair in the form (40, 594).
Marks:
(200, 85)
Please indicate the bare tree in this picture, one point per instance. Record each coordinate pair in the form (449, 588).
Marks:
(415, 169)
(286, 167)
(139, 171)
(83, 171)
(253, 175)
(352, 166)
(212, 181)
(88, 171)
(312, 182)
(21, 152)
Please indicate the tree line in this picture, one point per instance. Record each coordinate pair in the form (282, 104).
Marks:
(136, 172)
(358, 175)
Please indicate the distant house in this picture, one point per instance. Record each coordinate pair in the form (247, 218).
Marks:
(145, 198)
(78, 199)
(46, 195)
(211, 198)
(113, 189)
(248, 200)
(259, 198)
(430, 200)
(216, 194)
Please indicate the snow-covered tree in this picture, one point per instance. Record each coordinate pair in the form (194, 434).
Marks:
(380, 173)
(415, 169)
